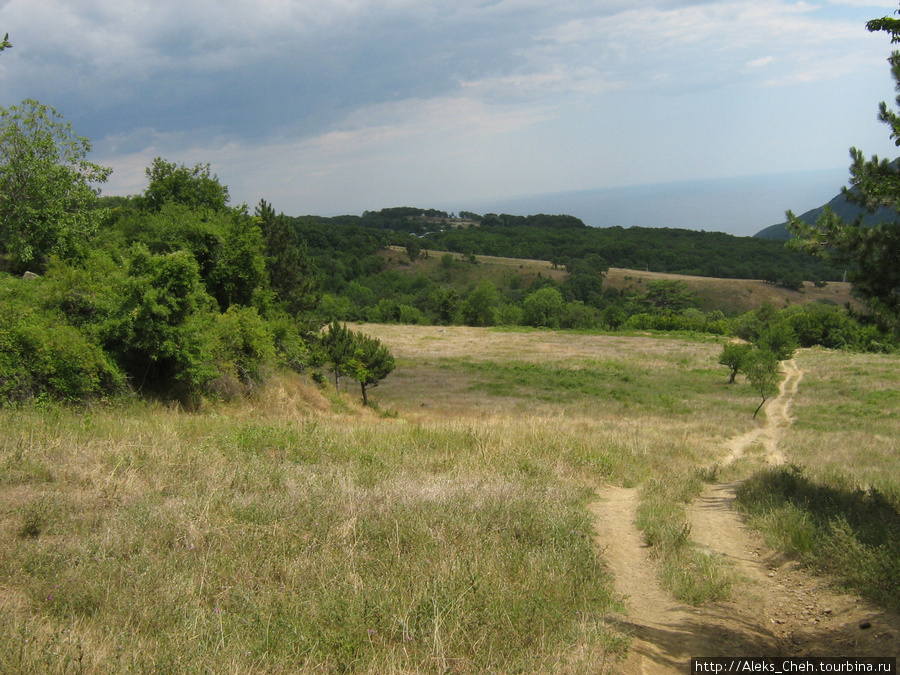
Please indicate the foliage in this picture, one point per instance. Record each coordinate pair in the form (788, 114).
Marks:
(176, 183)
(162, 333)
(872, 254)
(710, 254)
(371, 362)
(543, 308)
(5, 44)
(292, 274)
(246, 345)
(42, 357)
(446, 304)
(779, 339)
(663, 295)
(761, 368)
(413, 250)
(46, 194)
(228, 246)
(479, 308)
(734, 356)
(585, 280)
(337, 345)
(240, 276)
(358, 355)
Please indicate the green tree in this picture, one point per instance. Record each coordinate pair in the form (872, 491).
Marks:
(614, 316)
(667, 295)
(446, 304)
(370, 363)
(780, 339)
(292, 274)
(47, 202)
(761, 368)
(479, 309)
(338, 346)
(585, 280)
(413, 250)
(733, 356)
(246, 345)
(193, 187)
(163, 332)
(543, 308)
(872, 254)
(239, 276)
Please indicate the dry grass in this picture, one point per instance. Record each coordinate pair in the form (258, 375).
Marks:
(732, 296)
(299, 533)
(281, 538)
(847, 418)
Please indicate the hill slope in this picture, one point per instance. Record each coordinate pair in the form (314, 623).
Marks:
(845, 209)
(731, 296)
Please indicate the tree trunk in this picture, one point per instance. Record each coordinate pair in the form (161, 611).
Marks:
(365, 396)
(760, 406)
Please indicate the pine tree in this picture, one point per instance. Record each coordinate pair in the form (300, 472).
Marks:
(872, 254)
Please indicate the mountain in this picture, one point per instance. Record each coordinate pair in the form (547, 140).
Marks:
(845, 209)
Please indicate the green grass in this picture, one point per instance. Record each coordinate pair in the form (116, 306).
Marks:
(628, 384)
(836, 508)
(831, 524)
(689, 573)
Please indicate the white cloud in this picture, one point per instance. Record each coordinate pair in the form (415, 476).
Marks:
(323, 100)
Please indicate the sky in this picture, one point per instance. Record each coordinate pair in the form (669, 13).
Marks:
(338, 106)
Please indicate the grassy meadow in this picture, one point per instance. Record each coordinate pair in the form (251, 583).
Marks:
(443, 531)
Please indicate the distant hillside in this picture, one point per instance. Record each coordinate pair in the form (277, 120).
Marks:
(845, 209)
(561, 239)
(667, 250)
(730, 296)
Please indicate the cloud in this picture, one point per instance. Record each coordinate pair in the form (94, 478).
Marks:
(320, 100)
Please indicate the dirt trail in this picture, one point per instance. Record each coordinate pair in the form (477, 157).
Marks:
(778, 608)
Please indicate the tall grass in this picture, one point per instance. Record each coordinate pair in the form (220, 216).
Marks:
(145, 540)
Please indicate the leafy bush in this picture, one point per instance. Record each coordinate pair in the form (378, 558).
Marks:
(163, 334)
(543, 308)
(246, 345)
(43, 357)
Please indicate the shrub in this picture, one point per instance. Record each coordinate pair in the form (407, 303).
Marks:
(163, 334)
(42, 356)
(246, 345)
(543, 308)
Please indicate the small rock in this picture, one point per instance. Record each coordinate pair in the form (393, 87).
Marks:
(864, 625)
(827, 610)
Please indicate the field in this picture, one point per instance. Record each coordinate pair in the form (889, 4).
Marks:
(731, 296)
(450, 529)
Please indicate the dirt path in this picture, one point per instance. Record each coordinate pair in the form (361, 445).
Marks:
(778, 609)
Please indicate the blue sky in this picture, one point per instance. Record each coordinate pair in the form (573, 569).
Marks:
(337, 106)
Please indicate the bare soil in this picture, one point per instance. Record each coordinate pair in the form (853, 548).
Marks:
(778, 607)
